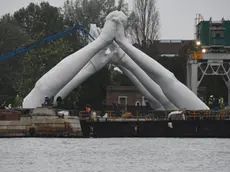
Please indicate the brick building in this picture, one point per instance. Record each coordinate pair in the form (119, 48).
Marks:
(125, 95)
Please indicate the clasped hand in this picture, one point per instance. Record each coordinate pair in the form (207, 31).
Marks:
(114, 26)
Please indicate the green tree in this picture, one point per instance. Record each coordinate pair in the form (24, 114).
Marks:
(36, 21)
(11, 38)
(42, 20)
(93, 91)
(38, 62)
(37, 18)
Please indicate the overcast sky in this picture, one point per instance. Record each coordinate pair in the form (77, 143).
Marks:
(176, 16)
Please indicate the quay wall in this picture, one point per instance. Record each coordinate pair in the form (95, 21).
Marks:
(39, 125)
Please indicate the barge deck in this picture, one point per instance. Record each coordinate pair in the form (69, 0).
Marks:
(45, 122)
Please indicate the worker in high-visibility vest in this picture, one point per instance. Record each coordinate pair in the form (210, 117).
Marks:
(9, 106)
(221, 102)
(211, 101)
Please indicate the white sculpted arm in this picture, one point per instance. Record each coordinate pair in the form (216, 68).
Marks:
(122, 59)
(174, 90)
(126, 62)
(152, 101)
(55, 79)
(94, 65)
(94, 31)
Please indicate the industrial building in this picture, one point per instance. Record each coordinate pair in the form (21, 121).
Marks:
(212, 53)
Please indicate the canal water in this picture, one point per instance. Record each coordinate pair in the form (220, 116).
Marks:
(114, 155)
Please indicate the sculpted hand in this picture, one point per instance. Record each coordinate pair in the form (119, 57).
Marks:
(109, 30)
(121, 24)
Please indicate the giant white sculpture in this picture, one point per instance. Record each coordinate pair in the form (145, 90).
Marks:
(157, 82)
(64, 71)
(122, 60)
(175, 91)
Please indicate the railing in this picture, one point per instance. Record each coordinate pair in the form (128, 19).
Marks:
(207, 115)
(127, 115)
(153, 115)
(158, 116)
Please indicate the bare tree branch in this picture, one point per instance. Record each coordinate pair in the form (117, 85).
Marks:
(144, 21)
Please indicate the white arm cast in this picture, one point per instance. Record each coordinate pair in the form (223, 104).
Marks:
(153, 102)
(174, 90)
(55, 79)
(125, 61)
(99, 61)
(94, 65)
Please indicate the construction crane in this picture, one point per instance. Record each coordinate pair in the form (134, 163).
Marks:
(44, 41)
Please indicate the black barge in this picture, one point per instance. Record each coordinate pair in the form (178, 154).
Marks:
(206, 124)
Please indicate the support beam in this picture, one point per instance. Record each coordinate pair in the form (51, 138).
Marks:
(192, 76)
(213, 64)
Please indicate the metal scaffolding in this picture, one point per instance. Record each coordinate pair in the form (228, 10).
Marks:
(211, 64)
(211, 56)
